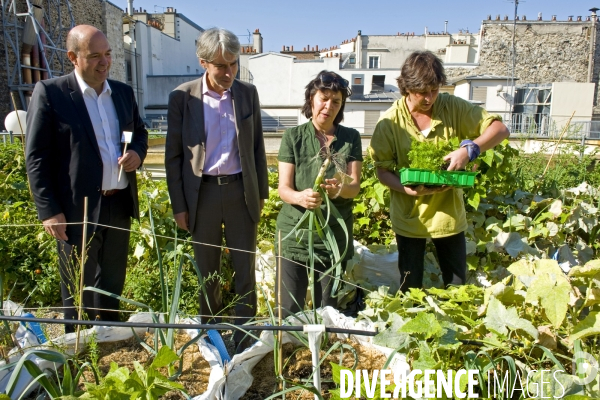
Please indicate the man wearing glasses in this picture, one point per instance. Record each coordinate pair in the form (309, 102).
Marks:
(217, 172)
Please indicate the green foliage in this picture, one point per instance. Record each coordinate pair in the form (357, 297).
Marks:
(430, 154)
(144, 282)
(372, 208)
(28, 256)
(521, 324)
(144, 384)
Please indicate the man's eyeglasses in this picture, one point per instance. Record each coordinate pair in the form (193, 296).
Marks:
(328, 79)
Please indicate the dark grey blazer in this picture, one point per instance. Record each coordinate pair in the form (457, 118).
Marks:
(63, 159)
(185, 149)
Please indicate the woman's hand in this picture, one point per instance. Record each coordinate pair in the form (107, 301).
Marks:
(308, 199)
(422, 190)
(458, 159)
(333, 188)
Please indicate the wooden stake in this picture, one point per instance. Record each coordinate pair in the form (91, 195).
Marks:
(81, 269)
(279, 333)
(557, 143)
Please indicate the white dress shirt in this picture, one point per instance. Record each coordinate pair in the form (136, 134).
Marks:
(103, 115)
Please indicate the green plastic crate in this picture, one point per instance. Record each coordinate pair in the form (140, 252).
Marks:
(414, 177)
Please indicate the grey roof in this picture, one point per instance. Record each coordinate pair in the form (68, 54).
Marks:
(481, 77)
(376, 97)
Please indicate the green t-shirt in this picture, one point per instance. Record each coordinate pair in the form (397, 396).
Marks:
(299, 146)
(436, 215)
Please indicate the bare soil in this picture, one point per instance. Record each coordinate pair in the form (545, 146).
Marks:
(299, 368)
(194, 376)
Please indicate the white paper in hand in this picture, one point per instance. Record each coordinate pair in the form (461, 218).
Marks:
(126, 137)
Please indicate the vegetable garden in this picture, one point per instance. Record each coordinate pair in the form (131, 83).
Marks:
(532, 302)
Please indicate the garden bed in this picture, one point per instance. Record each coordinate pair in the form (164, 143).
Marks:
(299, 368)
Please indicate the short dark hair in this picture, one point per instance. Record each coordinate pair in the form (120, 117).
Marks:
(336, 84)
(421, 71)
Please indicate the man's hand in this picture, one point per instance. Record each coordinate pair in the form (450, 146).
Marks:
(56, 227)
(181, 219)
(130, 161)
(421, 190)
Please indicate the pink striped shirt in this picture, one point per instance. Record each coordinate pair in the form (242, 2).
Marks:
(222, 153)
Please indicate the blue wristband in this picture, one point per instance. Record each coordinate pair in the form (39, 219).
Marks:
(472, 149)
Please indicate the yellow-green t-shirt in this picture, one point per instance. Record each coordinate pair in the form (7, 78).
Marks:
(436, 215)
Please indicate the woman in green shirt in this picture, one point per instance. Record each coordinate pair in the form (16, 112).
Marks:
(437, 213)
(301, 154)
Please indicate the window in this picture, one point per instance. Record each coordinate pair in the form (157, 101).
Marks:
(129, 72)
(352, 60)
(479, 94)
(378, 84)
(357, 81)
(371, 118)
(373, 62)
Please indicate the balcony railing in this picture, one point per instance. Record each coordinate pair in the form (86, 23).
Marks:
(543, 126)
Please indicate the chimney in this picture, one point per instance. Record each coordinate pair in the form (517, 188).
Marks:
(579, 18)
(489, 18)
(497, 17)
(446, 26)
(570, 18)
(539, 16)
(317, 47)
(506, 17)
(524, 18)
(130, 7)
(292, 48)
(554, 18)
(283, 48)
(257, 41)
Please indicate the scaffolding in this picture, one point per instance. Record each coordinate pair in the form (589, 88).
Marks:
(34, 34)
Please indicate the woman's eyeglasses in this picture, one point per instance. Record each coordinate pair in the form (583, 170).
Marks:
(327, 80)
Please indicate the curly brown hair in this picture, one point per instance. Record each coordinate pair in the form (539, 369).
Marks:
(421, 71)
(334, 83)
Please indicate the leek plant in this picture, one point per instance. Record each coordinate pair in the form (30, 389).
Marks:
(319, 224)
(169, 303)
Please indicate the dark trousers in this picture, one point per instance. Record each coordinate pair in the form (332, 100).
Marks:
(225, 206)
(294, 283)
(105, 264)
(452, 256)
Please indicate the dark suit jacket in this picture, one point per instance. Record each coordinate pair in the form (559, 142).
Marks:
(185, 149)
(63, 158)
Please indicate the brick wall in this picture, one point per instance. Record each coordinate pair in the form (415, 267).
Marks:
(101, 14)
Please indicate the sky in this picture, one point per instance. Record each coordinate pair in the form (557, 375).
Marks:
(327, 23)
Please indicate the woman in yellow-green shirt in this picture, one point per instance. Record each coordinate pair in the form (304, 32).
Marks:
(419, 213)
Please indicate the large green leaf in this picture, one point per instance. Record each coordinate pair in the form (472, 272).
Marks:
(392, 337)
(589, 270)
(588, 327)
(552, 295)
(500, 319)
(424, 323)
